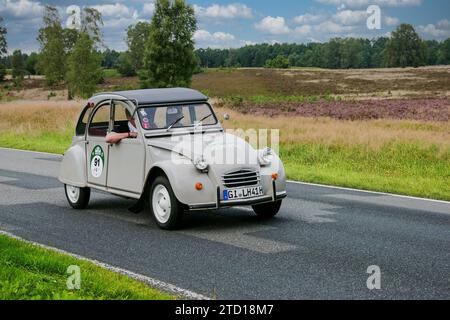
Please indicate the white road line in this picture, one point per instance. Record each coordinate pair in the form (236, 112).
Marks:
(166, 287)
(290, 181)
(367, 191)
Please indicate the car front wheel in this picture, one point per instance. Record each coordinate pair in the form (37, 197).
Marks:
(267, 210)
(78, 197)
(165, 207)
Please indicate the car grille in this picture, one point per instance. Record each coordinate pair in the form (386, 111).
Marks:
(241, 178)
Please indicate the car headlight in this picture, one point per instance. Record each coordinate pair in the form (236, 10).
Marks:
(201, 164)
(265, 156)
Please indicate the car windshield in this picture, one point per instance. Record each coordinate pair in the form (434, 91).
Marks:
(180, 116)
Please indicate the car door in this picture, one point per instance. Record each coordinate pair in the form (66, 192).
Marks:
(126, 158)
(96, 146)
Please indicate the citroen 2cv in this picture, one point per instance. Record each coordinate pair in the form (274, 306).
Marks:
(179, 158)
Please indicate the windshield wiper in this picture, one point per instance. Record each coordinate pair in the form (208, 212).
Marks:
(203, 119)
(173, 124)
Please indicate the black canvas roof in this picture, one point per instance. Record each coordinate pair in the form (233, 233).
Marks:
(159, 96)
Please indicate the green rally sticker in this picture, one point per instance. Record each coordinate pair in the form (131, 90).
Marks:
(97, 161)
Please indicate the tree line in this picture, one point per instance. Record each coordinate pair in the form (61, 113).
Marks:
(403, 49)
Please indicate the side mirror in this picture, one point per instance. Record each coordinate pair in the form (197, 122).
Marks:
(226, 117)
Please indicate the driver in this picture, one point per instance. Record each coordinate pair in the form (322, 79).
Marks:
(114, 137)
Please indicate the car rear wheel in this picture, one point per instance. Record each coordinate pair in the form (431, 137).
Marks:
(267, 210)
(78, 197)
(165, 207)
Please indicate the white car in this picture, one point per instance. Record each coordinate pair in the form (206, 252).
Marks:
(180, 160)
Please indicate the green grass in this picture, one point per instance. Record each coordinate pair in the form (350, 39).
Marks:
(110, 73)
(43, 142)
(30, 272)
(401, 168)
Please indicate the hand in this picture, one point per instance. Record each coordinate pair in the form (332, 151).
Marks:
(133, 135)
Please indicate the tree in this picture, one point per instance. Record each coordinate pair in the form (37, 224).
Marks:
(18, 68)
(125, 65)
(333, 53)
(110, 59)
(432, 52)
(280, 62)
(377, 52)
(53, 55)
(444, 52)
(3, 48)
(137, 36)
(405, 48)
(89, 21)
(84, 68)
(31, 63)
(169, 58)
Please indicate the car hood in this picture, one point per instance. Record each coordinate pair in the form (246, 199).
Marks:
(217, 149)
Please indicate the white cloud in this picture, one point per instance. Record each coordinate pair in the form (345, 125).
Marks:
(216, 40)
(248, 43)
(117, 10)
(148, 9)
(391, 21)
(444, 24)
(439, 30)
(304, 30)
(206, 36)
(332, 28)
(350, 17)
(309, 18)
(274, 26)
(231, 11)
(20, 8)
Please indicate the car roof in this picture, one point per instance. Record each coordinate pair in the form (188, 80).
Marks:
(159, 96)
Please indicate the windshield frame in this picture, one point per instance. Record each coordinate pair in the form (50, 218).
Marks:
(190, 103)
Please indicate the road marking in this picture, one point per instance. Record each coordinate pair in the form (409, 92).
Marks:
(239, 236)
(398, 203)
(164, 286)
(367, 191)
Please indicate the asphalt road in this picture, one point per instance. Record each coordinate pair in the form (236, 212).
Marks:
(319, 247)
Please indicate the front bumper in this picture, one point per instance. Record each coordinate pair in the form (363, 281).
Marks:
(276, 196)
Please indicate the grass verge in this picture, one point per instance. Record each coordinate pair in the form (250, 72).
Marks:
(400, 168)
(30, 272)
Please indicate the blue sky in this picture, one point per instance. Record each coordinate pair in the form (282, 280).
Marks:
(224, 24)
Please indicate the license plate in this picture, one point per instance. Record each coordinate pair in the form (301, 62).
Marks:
(242, 193)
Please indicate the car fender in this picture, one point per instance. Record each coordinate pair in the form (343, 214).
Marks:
(183, 178)
(276, 166)
(73, 167)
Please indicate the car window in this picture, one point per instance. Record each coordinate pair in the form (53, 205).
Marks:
(100, 122)
(82, 121)
(162, 117)
(120, 118)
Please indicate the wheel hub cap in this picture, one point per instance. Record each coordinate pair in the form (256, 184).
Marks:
(161, 204)
(73, 193)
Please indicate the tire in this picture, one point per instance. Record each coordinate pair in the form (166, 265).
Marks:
(267, 210)
(78, 198)
(164, 206)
